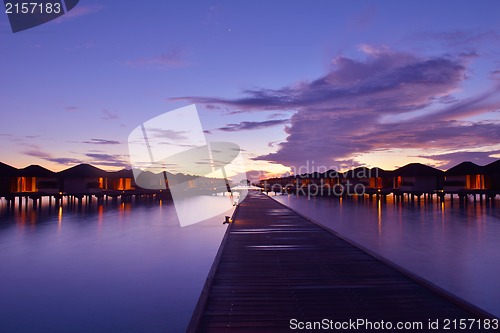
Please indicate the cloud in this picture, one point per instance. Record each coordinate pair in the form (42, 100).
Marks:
(100, 156)
(64, 160)
(36, 151)
(109, 115)
(79, 10)
(71, 108)
(111, 160)
(170, 59)
(449, 160)
(387, 100)
(252, 125)
(102, 142)
(96, 158)
(495, 74)
(160, 133)
(402, 79)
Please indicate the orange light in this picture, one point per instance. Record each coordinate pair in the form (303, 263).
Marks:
(59, 218)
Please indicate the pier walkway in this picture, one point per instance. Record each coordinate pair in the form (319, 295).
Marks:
(275, 265)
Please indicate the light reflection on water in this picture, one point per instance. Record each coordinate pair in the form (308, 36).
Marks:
(116, 268)
(457, 248)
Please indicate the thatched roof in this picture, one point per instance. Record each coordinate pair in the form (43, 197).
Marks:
(493, 168)
(359, 172)
(82, 171)
(378, 172)
(364, 172)
(465, 168)
(417, 169)
(7, 170)
(35, 171)
(331, 174)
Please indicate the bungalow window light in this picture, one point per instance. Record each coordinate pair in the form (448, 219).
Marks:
(122, 184)
(26, 184)
(102, 183)
(475, 181)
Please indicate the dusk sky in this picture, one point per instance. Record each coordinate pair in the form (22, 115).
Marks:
(340, 83)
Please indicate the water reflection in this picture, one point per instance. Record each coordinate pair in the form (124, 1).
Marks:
(454, 246)
(379, 216)
(59, 219)
(111, 268)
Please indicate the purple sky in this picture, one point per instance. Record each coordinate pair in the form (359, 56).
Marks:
(329, 83)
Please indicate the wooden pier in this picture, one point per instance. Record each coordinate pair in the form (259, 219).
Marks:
(274, 265)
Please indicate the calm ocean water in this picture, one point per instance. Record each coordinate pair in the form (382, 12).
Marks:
(456, 248)
(114, 269)
(134, 269)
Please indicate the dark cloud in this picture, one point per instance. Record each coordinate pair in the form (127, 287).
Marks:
(109, 115)
(388, 100)
(117, 164)
(102, 142)
(111, 160)
(101, 156)
(495, 75)
(98, 159)
(252, 125)
(64, 160)
(400, 81)
(36, 151)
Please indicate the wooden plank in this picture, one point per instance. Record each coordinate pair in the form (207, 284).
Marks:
(275, 265)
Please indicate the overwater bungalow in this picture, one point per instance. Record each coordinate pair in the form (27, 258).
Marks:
(83, 178)
(122, 180)
(315, 178)
(8, 176)
(466, 176)
(381, 179)
(302, 180)
(36, 179)
(360, 175)
(278, 183)
(492, 172)
(417, 177)
(149, 180)
(374, 178)
(330, 178)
